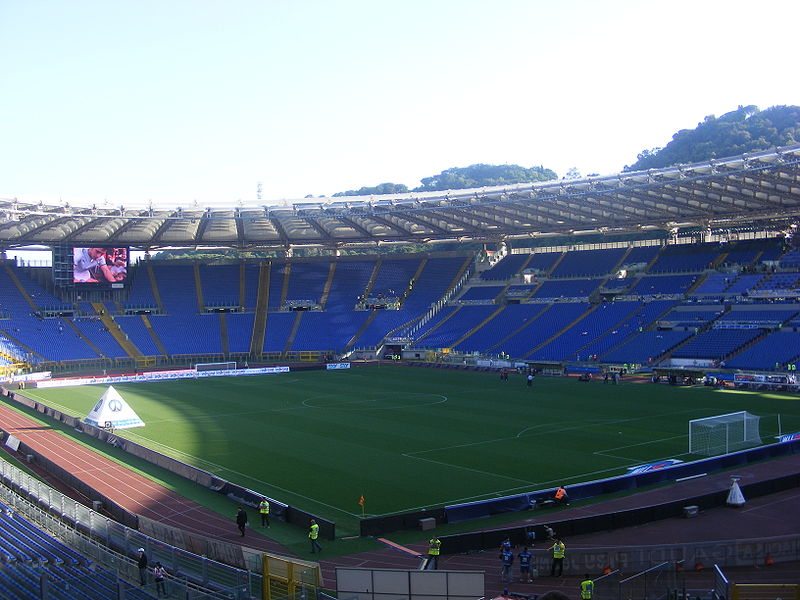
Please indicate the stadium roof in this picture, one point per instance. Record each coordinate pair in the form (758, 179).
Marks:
(725, 193)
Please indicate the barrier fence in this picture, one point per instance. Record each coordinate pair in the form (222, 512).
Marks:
(655, 583)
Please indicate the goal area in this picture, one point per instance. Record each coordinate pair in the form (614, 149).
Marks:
(722, 434)
(215, 366)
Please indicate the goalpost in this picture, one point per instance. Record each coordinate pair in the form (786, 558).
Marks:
(215, 366)
(722, 434)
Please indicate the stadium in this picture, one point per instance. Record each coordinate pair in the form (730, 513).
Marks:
(406, 362)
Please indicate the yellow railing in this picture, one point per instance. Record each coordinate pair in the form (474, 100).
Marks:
(286, 579)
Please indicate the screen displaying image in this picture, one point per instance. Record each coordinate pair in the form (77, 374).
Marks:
(104, 266)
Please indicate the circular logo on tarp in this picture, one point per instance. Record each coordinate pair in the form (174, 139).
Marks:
(115, 405)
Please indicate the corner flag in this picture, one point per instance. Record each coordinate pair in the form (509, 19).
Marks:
(362, 502)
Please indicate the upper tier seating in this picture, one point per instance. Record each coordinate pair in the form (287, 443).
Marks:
(140, 293)
(663, 284)
(41, 297)
(686, 258)
(589, 263)
(543, 261)
(220, 284)
(307, 280)
(277, 275)
(252, 272)
(742, 253)
(772, 252)
(436, 278)
(395, 274)
(176, 285)
(640, 255)
(508, 267)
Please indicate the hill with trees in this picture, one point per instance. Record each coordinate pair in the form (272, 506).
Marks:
(459, 178)
(746, 129)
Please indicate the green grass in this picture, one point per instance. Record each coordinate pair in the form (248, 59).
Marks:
(410, 438)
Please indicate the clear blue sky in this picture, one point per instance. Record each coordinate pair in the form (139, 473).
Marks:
(175, 101)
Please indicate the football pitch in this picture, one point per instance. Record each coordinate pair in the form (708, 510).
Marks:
(409, 438)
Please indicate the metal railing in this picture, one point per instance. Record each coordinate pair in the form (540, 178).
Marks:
(113, 545)
(662, 581)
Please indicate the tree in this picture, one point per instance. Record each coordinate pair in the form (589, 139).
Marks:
(380, 189)
(483, 175)
(745, 129)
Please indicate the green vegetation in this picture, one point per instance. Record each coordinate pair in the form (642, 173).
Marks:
(408, 438)
(460, 178)
(745, 129)
(481, 175)
(377, 190)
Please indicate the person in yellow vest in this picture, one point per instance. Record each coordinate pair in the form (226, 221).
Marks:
(587, 588)
(263, 509)
(434, 549)
(559, 549)
(313, 534)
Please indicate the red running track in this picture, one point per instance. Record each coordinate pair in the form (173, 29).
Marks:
(132, 491)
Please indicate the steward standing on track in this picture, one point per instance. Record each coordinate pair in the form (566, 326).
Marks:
(263, 508)
(313, 534)
(434, 549)
(559, 549)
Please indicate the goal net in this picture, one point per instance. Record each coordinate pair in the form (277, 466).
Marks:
(215, 366)
(724, 433)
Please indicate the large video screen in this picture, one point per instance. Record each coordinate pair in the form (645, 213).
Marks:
(104, 266)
